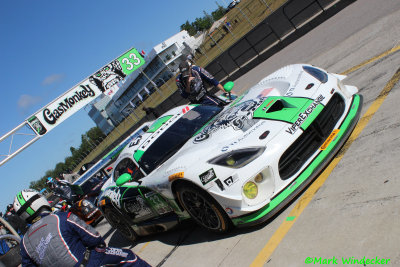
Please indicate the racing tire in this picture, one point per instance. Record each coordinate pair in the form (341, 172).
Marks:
(118, 222)
(203, 209)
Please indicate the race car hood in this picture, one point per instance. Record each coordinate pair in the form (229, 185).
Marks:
(271, 107)
(274, 101)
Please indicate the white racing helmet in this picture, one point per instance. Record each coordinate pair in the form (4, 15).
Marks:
(28, 203)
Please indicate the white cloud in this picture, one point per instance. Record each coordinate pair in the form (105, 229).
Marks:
(27, 101)
(52, 79)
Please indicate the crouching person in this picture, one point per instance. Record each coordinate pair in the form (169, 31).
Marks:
(63, 239)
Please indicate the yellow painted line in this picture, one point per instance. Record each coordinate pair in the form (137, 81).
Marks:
(284, 228)
(384, 54)
(144, 246)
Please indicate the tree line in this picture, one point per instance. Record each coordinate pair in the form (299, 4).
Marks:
(89, 141)
(205, 22)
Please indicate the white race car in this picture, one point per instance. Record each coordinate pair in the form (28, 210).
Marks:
(232, 166)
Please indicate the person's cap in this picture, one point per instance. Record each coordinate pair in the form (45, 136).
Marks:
(184, 68)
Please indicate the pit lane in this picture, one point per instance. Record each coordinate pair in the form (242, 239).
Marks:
(355, 211)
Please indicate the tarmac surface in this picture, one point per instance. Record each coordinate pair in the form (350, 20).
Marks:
(351, 211)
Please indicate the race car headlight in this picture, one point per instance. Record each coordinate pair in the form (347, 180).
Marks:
(316, 73)
(250, 190)
(238, 158)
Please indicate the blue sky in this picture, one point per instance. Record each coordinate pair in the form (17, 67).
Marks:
(48, 47)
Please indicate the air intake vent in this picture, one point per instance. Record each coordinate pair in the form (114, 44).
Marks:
(277, 106)
(312, 138)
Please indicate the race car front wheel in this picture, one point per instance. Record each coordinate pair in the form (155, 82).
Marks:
(120, 223)
(203, 208)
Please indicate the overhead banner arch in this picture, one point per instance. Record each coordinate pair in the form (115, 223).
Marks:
(105, 80)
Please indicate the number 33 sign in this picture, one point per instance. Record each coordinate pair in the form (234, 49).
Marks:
(130, 61)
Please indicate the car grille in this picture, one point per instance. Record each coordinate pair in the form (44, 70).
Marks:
(312, 138)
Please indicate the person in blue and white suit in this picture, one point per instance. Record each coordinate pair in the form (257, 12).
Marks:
(63, 239)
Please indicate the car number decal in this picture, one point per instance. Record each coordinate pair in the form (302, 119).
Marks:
(138, 206)
(114, 195)
(158, 203)
(230, 180)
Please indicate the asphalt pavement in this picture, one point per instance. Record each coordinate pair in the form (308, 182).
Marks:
(351, 212)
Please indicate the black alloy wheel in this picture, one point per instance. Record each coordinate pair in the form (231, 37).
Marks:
(203, 208)
(118, 222)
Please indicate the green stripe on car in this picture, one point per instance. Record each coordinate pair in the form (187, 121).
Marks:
(158, 123)
(290, 109)
(138, 154)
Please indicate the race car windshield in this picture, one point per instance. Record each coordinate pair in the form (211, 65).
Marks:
(176, 136)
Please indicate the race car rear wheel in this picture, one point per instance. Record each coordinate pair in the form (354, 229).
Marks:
(203, 208)
(118, 222)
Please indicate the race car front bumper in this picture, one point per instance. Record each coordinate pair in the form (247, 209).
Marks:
(309, 173)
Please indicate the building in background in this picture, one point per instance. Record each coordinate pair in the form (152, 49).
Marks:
(161, 64)
(99, 115)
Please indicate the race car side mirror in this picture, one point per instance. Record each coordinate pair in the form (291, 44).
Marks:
(228, 86)
(123, 179)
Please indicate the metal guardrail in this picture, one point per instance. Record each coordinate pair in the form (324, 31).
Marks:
(298, 13)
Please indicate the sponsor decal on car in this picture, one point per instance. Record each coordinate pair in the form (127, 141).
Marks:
(230, 180)
(290, 91)
(269, 103)
(135, 141)
(304, 115)
(114, 195)
(330, 138)
(207, 176)
(220, 185)
(237, 117)
(226, 148)
(229, 211)
(138, 206)
(158, 203)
